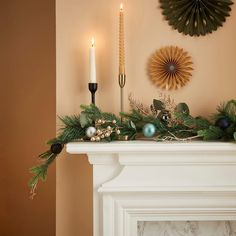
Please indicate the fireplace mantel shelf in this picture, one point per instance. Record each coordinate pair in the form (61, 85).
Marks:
(148, 147)
(143, 152)
(140, 180)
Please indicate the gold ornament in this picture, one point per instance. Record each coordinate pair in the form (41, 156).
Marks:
(109, 128)
(170, 68)
(97, 139)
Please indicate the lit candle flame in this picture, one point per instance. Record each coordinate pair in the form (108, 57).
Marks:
(93, 41)
(121, 6)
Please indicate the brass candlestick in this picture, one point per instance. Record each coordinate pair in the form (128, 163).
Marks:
(122, 80)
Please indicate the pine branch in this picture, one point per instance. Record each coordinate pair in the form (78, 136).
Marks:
(226, 110)
(191, 122)
(212, 133)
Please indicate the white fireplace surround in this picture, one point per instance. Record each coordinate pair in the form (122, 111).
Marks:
(148, 181)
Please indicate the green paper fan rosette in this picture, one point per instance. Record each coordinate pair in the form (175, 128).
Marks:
(196, 17)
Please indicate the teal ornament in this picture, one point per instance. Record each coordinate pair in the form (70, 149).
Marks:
(149, 130)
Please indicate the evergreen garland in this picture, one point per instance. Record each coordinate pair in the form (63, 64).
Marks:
(172, 122)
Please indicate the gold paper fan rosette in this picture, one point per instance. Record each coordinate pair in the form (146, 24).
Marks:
(170, 68)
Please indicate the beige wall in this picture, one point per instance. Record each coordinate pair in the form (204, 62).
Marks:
(27, 114)
(213, 81)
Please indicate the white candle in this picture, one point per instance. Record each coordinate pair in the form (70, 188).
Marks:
(92, 62)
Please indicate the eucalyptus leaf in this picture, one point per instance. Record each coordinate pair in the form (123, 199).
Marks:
(183, 108)
(84, 121)
(132, 125)
(158, 105)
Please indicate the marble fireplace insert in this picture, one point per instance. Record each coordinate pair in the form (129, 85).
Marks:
(187, 228)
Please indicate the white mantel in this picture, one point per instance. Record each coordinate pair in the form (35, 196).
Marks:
(148, 181)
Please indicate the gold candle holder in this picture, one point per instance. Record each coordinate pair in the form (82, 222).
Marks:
(122, 80)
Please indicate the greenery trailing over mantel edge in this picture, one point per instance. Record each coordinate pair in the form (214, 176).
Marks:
(172, 123)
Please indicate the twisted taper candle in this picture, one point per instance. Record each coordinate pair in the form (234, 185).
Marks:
(121, 43)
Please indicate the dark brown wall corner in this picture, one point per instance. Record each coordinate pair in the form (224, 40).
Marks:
(27, 114)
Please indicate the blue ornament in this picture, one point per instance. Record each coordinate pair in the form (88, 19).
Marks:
(223, 123)
(149, 130)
